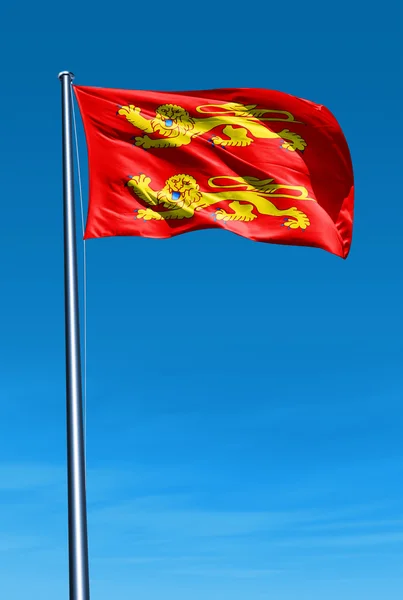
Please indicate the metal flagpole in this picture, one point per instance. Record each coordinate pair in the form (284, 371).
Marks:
(77, 512)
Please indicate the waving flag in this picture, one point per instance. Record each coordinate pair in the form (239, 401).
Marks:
(263, 164)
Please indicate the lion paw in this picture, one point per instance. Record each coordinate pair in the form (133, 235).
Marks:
(126, 111)
(147, 214)
(221, 215)
(144, 141)
(298, 219)
(139, 181)
(295, 141)
(216, 140)
(242, 212)
(237, 137)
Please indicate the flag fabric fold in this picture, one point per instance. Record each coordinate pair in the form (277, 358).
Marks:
(263, 164)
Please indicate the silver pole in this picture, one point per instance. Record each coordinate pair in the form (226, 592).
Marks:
(78, 541)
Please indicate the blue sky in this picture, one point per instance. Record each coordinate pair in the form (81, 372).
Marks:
(229, 457)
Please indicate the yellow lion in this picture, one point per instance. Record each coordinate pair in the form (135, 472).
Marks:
(182, 197)
(178, 128)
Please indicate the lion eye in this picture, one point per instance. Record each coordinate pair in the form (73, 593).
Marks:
(168, 122)
(176, 195)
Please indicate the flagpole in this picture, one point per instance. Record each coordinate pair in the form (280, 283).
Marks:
(77, 512)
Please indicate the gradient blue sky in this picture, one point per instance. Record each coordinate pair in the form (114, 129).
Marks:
(244, 399)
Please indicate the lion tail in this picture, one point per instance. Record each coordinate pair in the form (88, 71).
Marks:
(261, 185)
(237, 109)
(275, 115)
(250, 111)
(249, 183)
(266, 186)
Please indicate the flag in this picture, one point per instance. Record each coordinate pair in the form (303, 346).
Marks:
(263, 164)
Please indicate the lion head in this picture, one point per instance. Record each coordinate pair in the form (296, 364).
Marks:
(180, 191)
(172, 120)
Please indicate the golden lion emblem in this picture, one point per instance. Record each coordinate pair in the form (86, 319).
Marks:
(178, 128)
(181, 197)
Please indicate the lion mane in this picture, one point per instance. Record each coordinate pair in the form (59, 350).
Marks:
(179, 120)
(180, 191)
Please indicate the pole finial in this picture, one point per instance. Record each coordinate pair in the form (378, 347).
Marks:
(69, 73)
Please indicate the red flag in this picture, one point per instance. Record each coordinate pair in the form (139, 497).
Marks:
(264, 164)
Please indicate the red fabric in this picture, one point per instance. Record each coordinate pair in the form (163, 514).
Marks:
(324, 167)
